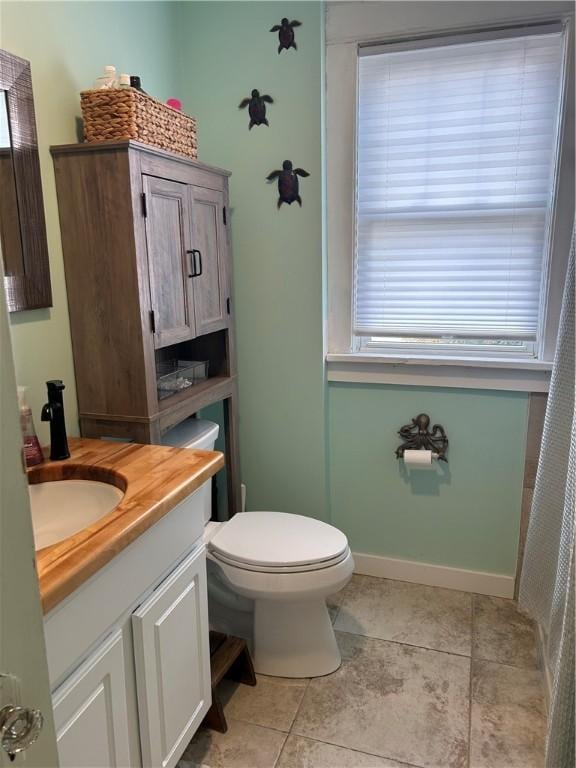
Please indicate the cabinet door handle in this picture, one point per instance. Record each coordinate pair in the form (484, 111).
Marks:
(197, 272)
(192, 263)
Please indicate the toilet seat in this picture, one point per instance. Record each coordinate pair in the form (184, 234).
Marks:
(278, 542)
(280, 568)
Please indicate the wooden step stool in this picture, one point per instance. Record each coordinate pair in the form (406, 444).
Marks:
(230, 658)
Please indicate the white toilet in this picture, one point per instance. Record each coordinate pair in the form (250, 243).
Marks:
(269, 576)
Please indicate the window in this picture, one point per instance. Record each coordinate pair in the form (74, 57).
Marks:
(457, 150)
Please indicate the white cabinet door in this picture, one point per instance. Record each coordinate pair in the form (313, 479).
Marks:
(90, 711)
(172, 655)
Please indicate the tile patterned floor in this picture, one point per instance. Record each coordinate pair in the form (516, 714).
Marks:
(430, 678)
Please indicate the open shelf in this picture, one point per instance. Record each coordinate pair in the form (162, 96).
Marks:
(177, 407)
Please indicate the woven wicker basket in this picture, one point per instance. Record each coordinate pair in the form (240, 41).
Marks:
(125, 113)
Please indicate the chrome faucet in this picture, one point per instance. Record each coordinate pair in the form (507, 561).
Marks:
(53, 412)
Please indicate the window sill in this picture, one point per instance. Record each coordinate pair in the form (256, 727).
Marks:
(440, 371)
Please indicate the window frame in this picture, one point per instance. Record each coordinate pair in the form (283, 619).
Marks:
(343, 348)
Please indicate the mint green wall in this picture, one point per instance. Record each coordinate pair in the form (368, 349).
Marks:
(226, 49)
(305, 448)
(472, 520)
(464, 514)
(68, 43)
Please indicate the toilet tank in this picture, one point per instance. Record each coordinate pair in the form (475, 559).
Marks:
(201, 435)
(192, 433)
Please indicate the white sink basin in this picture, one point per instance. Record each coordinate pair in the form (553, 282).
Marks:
(63, 507)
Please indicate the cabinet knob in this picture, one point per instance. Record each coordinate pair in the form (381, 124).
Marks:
(19, 728)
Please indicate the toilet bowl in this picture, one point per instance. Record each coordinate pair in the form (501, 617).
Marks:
(288, 565)
(270, 573)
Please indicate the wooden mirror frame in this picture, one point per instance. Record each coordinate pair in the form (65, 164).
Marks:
(27, 287)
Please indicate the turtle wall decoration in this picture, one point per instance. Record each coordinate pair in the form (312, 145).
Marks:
(256, 108)
(288, 184)
(286, 34)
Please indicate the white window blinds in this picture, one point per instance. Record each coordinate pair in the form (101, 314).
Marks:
(456, 155)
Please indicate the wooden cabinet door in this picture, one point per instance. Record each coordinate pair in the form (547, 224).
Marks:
(167, 211)
(210, 256)
(90, 711)
(172, 655)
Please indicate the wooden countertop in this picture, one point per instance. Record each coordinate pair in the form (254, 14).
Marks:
(154, 479)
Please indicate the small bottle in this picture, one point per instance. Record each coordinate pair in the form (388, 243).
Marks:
(135, 82)
(124, 81)
(32, 451)
(108, 79)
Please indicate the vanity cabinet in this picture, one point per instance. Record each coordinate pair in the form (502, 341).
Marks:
(128, 651)
(147, 257)
(172, 654)
(91, 710)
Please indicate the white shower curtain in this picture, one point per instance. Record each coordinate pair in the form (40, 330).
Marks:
(547, 581)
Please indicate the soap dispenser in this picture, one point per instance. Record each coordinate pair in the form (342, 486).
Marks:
(32, 450)
(53, 412)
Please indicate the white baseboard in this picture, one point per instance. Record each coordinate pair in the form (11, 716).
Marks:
(496, 584)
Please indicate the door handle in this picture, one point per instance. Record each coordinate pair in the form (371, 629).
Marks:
(196, 268)
(192, 263)
(19, 728)
(197, 272)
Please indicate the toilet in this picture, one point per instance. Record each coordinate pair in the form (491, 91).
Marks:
(269, 574)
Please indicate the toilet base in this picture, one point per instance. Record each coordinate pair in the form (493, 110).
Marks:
(294, 639)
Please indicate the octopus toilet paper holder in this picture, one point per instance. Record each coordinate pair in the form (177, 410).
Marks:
(417, 436)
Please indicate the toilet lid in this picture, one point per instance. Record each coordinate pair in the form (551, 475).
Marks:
(277, 540)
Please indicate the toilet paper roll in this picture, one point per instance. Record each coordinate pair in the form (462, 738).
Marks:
(418, 458)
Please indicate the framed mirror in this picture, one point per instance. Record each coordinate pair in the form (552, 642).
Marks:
(22, 225)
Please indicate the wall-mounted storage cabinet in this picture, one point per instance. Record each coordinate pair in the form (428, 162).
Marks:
(187, 259)
(148, 273)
